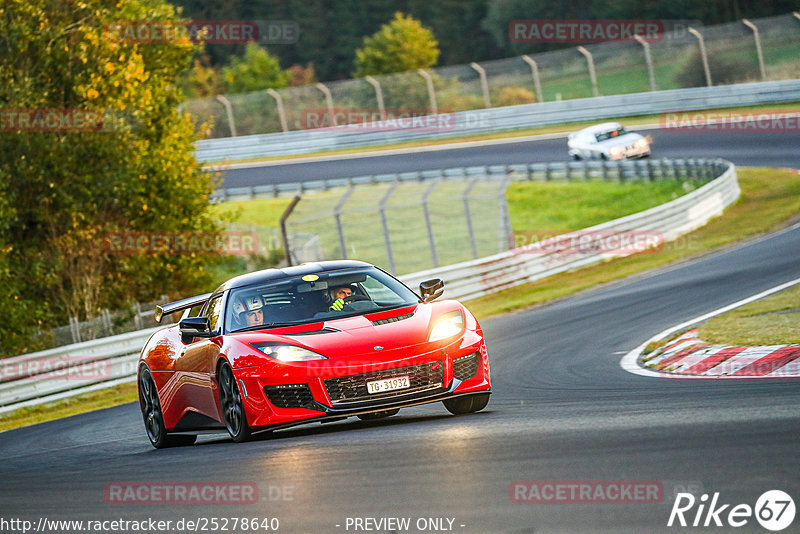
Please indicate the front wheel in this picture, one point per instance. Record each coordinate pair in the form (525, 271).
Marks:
(230, 400)
(154, 418)
(468, 404)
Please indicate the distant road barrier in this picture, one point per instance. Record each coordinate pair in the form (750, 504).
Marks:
(491, 120)
(82, 367)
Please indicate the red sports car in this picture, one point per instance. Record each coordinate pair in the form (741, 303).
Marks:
(314, 342)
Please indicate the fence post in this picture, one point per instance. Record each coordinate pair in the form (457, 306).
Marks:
(758, 47)
(137, 316)
(287, 251)
(378, 95)
(75, 329)
(328, 101)
(649, 59)
(484, 83)
(504, 232)
(703, 53)
(106, 317)
(473, 245)
(426, 213)
(385, 224)
(535, 73)
(431, 90)
(229, 112)
(337, 215)
(281, 111)
(592, 73)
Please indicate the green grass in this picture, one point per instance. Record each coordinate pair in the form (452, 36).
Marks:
(774, 320)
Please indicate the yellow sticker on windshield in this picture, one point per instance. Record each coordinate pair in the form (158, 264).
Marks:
(310, 277)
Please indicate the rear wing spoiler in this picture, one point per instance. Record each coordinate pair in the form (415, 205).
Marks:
(185, 304)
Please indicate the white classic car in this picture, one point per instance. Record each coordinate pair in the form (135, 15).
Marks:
(607, 141)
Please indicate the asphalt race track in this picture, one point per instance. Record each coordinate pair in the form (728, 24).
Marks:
(762, 149)
(562, 410)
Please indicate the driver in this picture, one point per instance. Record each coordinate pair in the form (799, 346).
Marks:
(249, 310)
(338, 294)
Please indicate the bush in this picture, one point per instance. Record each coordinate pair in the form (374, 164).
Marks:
(512, 96)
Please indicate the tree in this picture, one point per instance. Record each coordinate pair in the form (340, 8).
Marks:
(66, 186)
(255, 71)
(402, 45)
(202, 80)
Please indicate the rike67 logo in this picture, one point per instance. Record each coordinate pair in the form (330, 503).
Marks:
(774, 510)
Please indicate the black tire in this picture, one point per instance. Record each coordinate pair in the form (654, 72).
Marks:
(378, 415)
(576, 157)
(603, 156)
(230, 400)
(468, 404)
(153, 418)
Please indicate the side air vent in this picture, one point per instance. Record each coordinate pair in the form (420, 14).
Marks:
(465, 367)
(314, 332)
(291, 396)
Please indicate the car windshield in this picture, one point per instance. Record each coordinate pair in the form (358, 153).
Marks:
(610, 134)
(314, 297)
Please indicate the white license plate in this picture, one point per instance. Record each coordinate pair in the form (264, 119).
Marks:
(388, 384)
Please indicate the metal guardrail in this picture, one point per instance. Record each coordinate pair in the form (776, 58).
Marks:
(556, 171)
(501, 119)
(74, 369)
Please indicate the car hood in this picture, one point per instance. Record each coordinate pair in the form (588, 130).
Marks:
(393, 330)
(624, 140)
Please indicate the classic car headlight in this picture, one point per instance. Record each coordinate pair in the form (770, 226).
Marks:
(642, 142)
(614, 150)
(288, 353)
(447, 325)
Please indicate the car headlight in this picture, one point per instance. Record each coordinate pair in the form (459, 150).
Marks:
(615, 150)
(288, 353)
(448, 325)
(642, 142)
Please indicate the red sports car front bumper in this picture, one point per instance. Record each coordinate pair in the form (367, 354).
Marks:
(280, 395)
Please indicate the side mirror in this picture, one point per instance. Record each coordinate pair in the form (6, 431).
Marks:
(431, 289)
(192, 327)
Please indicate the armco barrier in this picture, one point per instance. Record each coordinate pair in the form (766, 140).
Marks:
(505, 118)
(31, 379)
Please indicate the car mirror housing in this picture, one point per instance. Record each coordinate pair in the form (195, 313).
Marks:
(192, 327)
(431, 289)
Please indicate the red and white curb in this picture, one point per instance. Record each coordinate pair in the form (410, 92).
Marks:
(689, 357)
